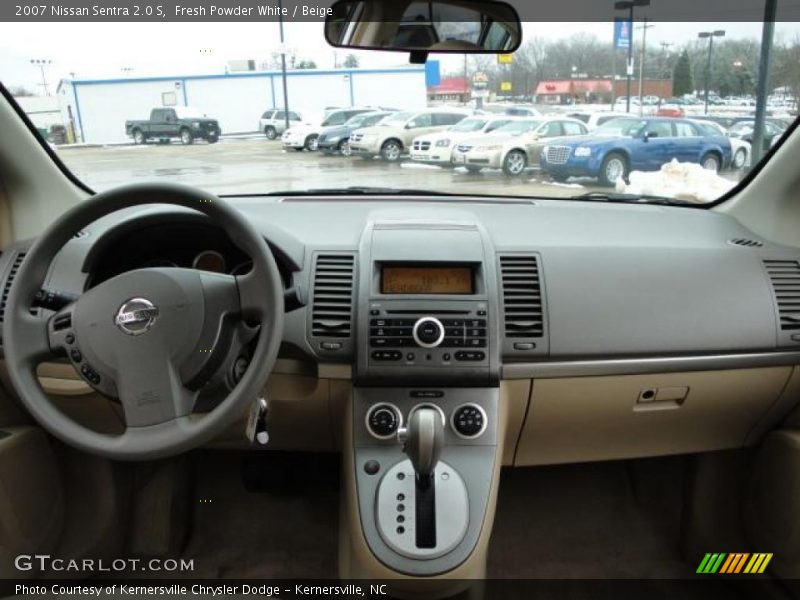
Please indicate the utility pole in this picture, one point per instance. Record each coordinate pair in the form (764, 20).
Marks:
(42, 63)
(767, 35)
(283, 67)
(644, 29)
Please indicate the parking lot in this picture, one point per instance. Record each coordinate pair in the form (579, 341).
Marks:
(254, 164)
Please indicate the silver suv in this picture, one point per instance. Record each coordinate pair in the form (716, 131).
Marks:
(273, 122)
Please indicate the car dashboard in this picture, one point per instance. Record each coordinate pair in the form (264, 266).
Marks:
(651, 311)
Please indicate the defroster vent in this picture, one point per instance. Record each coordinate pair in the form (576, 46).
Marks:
(522, 296)
(785, 278)
(332, 302)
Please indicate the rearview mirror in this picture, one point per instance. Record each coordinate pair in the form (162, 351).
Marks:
(462, 26)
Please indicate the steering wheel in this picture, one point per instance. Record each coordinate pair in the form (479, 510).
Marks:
(149, 337)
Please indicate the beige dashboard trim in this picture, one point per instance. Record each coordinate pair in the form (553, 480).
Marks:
(636, 366)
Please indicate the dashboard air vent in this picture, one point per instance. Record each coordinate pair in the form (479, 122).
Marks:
(15, 264)
(332, 303)
(785, 278)
(522, 296)
(746, 242)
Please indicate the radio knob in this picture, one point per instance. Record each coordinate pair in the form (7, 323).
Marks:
(428, 332)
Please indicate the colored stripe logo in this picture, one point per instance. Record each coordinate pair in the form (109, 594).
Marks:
(734, 563)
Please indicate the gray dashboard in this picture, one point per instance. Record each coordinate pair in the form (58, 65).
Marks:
(616, 281)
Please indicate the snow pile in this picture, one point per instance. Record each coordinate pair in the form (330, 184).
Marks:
(683, 181)
(417, 165)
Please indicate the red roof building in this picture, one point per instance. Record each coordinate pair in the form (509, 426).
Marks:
(450, 88)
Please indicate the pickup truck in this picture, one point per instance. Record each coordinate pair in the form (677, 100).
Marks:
(181, 122)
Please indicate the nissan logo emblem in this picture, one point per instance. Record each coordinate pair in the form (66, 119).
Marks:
(136, 316)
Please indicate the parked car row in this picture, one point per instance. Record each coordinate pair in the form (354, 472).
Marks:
(602, 145)
(626, 144)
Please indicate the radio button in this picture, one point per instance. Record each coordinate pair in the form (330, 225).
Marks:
(469, 355)
(453, 322)
(386, 355)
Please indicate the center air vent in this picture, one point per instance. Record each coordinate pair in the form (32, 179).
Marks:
(785, 278)
(522, 296)
(332, 301)
(746, 243)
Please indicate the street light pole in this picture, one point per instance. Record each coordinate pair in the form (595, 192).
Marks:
(645, 27)
(629, 64)
(283, 67)
(710, 35)
(628, 5)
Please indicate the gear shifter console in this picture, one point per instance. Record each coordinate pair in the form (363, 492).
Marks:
(424, 439)
(422, 511)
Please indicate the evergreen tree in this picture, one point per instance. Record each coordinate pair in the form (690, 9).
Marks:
(682, 76)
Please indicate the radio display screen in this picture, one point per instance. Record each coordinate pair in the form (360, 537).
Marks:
(420, 279)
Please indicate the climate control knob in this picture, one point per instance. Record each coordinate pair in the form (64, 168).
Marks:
(469, 421)
(428, 332)
(383, 420)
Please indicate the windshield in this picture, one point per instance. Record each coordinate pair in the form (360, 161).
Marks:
(209, 104)
(397, 119)
(189, 112)
(742, 127)
(517, 127)
(468, 125)
(621, 127)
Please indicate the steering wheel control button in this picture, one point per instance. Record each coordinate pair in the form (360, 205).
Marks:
(428, 332)
(90, 374)
(371, 467)
(469, 421)
(383, 420)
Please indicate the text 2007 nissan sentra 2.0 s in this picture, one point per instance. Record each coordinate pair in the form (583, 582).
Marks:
(634, 144)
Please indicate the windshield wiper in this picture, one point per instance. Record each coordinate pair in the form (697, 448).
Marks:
(359, 190)
(633, 199)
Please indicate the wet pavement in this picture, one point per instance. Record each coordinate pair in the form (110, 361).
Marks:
(257, 165)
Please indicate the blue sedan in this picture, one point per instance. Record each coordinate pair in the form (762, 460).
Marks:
(628, 144)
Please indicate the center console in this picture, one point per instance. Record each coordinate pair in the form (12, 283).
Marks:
(424, 418)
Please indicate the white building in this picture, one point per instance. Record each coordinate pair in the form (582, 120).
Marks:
(43, 111)
(98, 108)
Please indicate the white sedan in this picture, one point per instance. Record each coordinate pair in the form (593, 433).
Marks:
(437, 148)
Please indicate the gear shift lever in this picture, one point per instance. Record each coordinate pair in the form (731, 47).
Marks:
(424, 441)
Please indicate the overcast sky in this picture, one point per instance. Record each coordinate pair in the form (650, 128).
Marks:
(103, 50)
